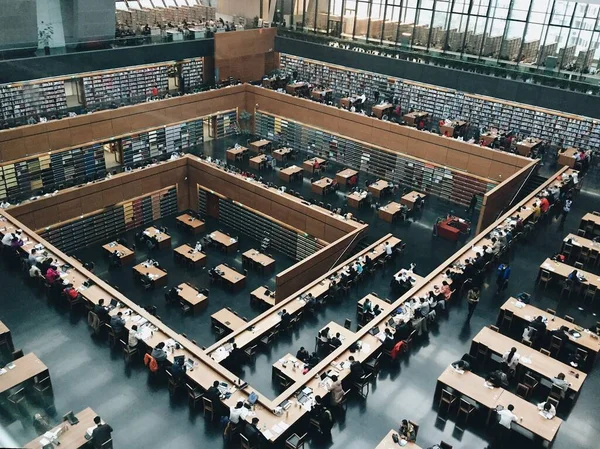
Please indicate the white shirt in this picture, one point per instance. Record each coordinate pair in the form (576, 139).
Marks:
(514, 361)
(388, 249)
(507, 417)
(547, 414)
(7, 239)
(198, 247)
(235, 414)
(34, 271)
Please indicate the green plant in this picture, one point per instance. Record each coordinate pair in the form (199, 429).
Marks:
(45, 35)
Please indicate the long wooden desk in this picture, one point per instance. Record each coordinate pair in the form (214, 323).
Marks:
(71, 436)
(530, 359)
(563, 270)
(5, 335)
(343, 176)
(591, 219)
(389, 211)
(412, 117)
(526, 146)
(579, 242)
(289, 367)
(163, 240)
(236, 154)
(125, 254)
(229, 243)
(260, 295)
(309, 164)
(322, 186)
(567, 157)
(25, 369)
(335, 328)
(227, 319)
(377, 188)
(488, 138)
(193, 224)
(232, 277)
(410, 199)
(281, 154)
(191, 296)
(355, 199)
(258, 162)
(197, 258)
(449, 129)
(260, 146)
(266, 262)
(388, 443)
(158, 276)
(290, 174)
(527, 312)
(380, 110)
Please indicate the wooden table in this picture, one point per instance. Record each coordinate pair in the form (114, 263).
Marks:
(281, 154)
(236, 154)
(382, 109)
(232, 277)
(528, 313)
(230, 244)
(388, 211)
(25, 369)
(388, 443)
(292, 372)
(5, 335)
(159, 277)
(195, 225)
(488, 138)
(592, 219)
(266, 262)
(309, 166)
(162, 240)
(541, 364)
(579, 243)
(355, 200)
(524, 147)
(260, 146)
(258, 162)
(563, 270)
(322, 186)
(334, 328)
(321, 94)
(293, 89)
(74, 435)
(196, 258)
(289, 174)
(260, 295)
(191, 296)
(347, 102)
(412, 117)
(375, 301)
(227, 319)
(125, 254)
(343, 176)
(449, 129)
(410, 198)
(567, 157)
(378, 188)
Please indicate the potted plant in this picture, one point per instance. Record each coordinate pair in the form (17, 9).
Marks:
(245, 118)
(45, 36)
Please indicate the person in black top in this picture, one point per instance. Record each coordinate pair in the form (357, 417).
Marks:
(356, 369)
(251, 432)
(403, 330)
(313, 360)
(499, 377)
(539, 325)
(235, 358)
(101, 311)
(285, 319)
(336, 342)
(389, 342)
(101, 434)
(303, 355)
(177, 370)
(214, 395)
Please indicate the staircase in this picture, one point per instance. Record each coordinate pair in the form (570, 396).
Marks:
(532, 183)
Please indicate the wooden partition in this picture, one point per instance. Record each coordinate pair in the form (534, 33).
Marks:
(246, 55)
(500, 196)
(102, 126)
(305, 271)
(474, 159)
(77, 201)
(313, 220)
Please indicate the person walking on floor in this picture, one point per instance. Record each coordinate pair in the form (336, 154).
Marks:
(503, 273)
(473, 300)
(472, 204)
(566, 209)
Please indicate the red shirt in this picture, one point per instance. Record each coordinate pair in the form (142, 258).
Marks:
(155, 91)
(544, 204)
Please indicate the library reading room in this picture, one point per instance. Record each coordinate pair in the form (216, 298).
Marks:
(289, 224)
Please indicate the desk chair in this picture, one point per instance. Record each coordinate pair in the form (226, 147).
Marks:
(554, 401)
(17, 354)
(583, 354)
(545, 278)
(195, 395)
(409, 341)
(522, 391)
(545, 352)
(17, 398)
(295, 441)
(108, 444)
(208, 408)
(283, 381)
(447, 400)
(42, 386)
(245, 444)
(530, 382)
(464, 409)
(444, 445)
(507, 319)
(173, 385)
(362, 385)
(112, 336)
(569, 318)
(372, 365)
(555, 346)
(128, 352)
(250, 352)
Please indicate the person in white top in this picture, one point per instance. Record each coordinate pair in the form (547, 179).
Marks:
(236, 412)
(7, 239)
(511, 358)
(506, 416)
(388, 248)
(198, 247)
(547, 409)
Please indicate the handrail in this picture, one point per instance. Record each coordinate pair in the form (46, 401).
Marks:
(344, 251)
(508, 205)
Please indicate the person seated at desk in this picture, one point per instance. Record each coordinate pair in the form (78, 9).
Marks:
(539, 325)
(251, 432)
(547, 409)
(562, 332)
(198, 247)
(511, 358)
(574, 360)
(498, 378)
(101, 311)
(407, 431)
(324, 335)
(311, 302)
(387, 339)
(403, 330)
(336, 341)
(445, 290)
(595, 329)
(544, 204)
(34, 258)
(8, 237)
(132, 340)
(461, 365)
(214, 395)
(560, 382)
(388, 248)
(35, 272)
(367, 306)
(117, 323)
(358, 267)
(114, 259)
(303, 355)
(178, 370)
(575, 277)
(285, 319)
(356, 372)
(101, 434)
(159, 354)
(423, 308)
(313, 360)
(51, 275)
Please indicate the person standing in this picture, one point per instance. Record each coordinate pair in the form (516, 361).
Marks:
(472, 299)
(503, 274)
(566, 209)
(472, 204)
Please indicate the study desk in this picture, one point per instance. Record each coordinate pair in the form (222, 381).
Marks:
(236, 154)
(227, 319)
(412, 117)
(321, 94)
(231, 277)
(592, 220)
(309, 164)
(73, 437)
(388, 211)
(382, 109)
(159, 277)
(451, 228)
(527, 312)
(334, 328)
(530, 359)
(449, 129)
(25, 369)
(410, 199)
(192, 297)
(260, 146)
(525, 147)
(5, 336)
(347, 102)
(488, 138)
(229, 243)
(281, 154)
(343, 176)
(258, 162)
(196, 258)
(567, 157)
(378, 188)
(267, 263)
(193, 224)
(289, 367)
(162, 240)
(260, 294)
(563, 270)
(291, 173)
(322, 186)
(375, 301)
(296, 88)
(125, 254)
(355, 199)
(388, 443)
(579, 243)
